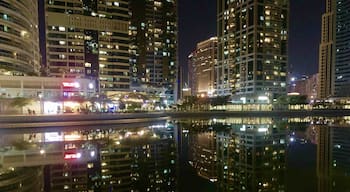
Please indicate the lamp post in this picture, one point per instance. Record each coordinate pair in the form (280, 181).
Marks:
(40, 95)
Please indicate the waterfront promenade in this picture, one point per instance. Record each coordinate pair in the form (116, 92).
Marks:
(95, 119)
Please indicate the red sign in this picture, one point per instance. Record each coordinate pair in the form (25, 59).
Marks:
(68, 156)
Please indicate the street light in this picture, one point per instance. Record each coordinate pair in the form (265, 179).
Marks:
(40, 95)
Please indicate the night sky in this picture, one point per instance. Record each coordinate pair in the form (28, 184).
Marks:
(197, 22)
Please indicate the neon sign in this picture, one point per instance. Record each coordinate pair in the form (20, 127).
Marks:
(71, 84)
(68, 156)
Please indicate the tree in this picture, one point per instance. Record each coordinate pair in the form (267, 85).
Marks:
(20, 102)
(190, 101)
(219, 100)
(297, 99)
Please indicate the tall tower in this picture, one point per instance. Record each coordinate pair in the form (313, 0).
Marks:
(334, 50)
(19, 47)
(252, 48)
(90, 39)
(327, 52)
(154, 47)
(204, 66)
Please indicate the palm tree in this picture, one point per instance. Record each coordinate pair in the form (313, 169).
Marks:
(20, 102)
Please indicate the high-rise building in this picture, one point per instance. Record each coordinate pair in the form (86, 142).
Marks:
(204, 62)
(252, 49)
(327, 52)
(191, 60)
(154, 47)
(342, 49)
(90, 39)
(306, 85)
(334, 50)
(19, 47)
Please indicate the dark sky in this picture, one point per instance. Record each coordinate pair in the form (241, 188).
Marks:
(197, 22)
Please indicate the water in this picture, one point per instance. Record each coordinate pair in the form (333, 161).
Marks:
(230, 154)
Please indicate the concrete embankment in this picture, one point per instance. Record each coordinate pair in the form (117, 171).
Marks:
(125, 118)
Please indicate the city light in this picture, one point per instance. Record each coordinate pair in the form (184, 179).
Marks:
(71, 84)
(68, 156)
(263, 98)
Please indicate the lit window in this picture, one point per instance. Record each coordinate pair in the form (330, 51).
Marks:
(61, 28)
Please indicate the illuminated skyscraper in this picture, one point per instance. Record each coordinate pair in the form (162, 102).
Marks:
(335, 50)
(327, 52)
(204, 62)
(252, 48)
(191, 60)
(154, 47)
(90, 39)
(19, 40)
(342, 46)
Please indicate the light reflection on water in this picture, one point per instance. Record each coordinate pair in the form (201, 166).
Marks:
(231, 154)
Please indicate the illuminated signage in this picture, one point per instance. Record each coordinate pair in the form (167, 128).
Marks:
(68, 156)
(71, 84)
(53, 137)
(72, 137)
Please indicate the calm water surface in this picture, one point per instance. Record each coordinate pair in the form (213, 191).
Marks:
(231, 154)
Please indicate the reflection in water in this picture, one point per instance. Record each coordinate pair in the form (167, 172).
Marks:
(333, 155)
(140, 159)
(231, 154)
(252, 158)
(202, 154)
(245, 154)
(21, 179)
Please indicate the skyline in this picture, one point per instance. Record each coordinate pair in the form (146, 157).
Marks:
(174, 95)
(196, 25)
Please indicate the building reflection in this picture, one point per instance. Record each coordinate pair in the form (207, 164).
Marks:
(333, 155)
(241, 154)
(202, 154)
(21, 179)
(139, 159)
(252, 157)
